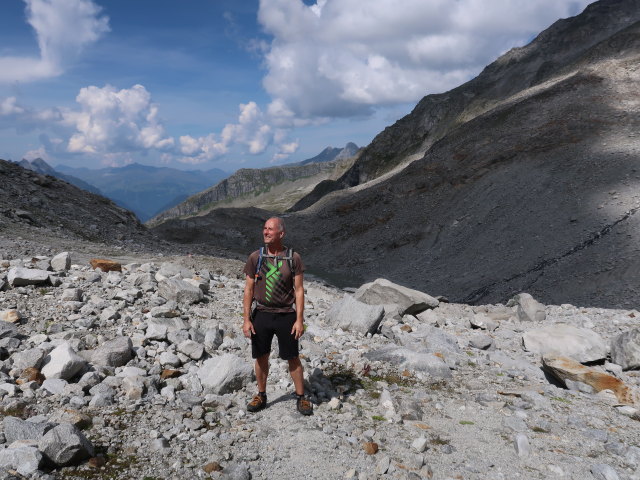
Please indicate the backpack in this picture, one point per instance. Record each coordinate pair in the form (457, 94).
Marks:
(288, 257)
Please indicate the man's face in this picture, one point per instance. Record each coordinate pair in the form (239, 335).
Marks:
(271, 232)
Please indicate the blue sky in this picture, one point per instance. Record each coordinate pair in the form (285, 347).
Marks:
(230, 84)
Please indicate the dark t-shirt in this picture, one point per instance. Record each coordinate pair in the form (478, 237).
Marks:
(274, 289)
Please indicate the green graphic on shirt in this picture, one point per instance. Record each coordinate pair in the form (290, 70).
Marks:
(273, 275)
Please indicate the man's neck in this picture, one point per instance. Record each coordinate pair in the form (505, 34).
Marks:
(274, 249)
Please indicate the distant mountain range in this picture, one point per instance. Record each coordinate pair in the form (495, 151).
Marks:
(143, 189)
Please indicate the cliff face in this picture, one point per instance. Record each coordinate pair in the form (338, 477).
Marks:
(435, 116)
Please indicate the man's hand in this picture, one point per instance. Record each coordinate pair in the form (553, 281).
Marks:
(298, 329)
(247, 328)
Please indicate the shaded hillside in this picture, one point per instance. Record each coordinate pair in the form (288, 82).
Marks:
(144, 189)
(537, 193)
(435, 116)
(31, 200)
(252, 186)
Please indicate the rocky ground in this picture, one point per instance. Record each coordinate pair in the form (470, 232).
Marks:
(146, 374)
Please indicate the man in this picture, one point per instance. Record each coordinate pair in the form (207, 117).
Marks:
(274, 278)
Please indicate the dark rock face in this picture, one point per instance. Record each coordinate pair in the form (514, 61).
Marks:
(527, 181)
(30, 199)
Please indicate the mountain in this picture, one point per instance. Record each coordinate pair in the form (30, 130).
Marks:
(525, 178)
(555, 50)
(144, 189)
(276, 188)
(332, 153)
(40, 166)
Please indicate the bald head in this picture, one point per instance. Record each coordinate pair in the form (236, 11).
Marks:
(278, 223)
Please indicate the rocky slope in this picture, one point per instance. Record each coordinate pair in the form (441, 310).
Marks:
(40, 166)
(144, 373)
(536, 191)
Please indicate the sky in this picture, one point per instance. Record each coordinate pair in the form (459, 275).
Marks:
(199, 84)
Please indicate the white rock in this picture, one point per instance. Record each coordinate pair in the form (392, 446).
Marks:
(580, 344)
(63, 362)
(225, 373)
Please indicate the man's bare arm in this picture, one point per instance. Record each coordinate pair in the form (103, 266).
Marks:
(247, 301)
(298, 285)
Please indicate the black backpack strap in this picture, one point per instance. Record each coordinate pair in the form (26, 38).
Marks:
(290, 262)
(257, 274)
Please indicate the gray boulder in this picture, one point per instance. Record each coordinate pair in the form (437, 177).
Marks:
(400, 357)
(529, 309)
(578, 343)
(25, 460)
(114, 353)
(19, 276)
(179, 291)
(30, 358)
(8, 330)
(384, 292)
(61, 262)
(65, 445)
(63, 362)
(352, 315)
(625, 349)
(225, 374)
(17, 429)
(191, 349)
(169, 270)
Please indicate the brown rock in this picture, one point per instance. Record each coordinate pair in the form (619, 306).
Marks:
(168, 373)
(370, 448)
(105, 265)
(30, 374)
(97, 462)
(565, 368)
(406, 328)
(212, 467)
(11, 316)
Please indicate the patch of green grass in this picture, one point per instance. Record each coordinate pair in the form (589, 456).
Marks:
(539, 430)
(560, 399)
(466, 422)
(378, 418)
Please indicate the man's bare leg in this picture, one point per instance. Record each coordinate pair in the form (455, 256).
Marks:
(297, 375)
(262, 372)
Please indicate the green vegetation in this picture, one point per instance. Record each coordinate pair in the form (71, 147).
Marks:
(378, 418)
(466, 422)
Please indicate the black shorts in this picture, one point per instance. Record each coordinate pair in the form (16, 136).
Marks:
(268, 324)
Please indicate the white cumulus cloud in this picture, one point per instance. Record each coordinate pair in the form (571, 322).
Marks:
(116, 121)
(339, 58)
(63, 28)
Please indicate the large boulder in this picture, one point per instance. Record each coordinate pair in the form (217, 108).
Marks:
(17, 429)
(61, 262)
(25, 460)
(400, 357)
(63, 362)
(529, 309)
(384, 292)
(225, 374)
(65, 445)
(351, 315)
(114, 353)
(578, 343)
(625, 349)
(19, 276)
(170, 270)
(179, 291)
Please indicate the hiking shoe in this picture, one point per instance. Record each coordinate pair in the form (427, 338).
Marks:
(304, 406)
(257, 403)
